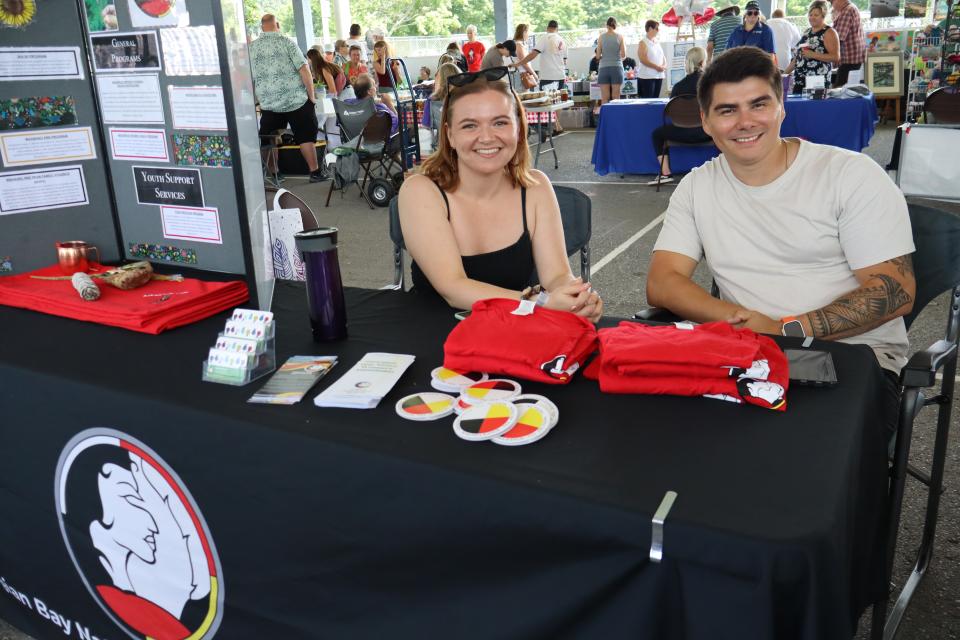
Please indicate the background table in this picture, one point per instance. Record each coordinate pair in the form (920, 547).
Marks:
(623, 143)
(338, 523)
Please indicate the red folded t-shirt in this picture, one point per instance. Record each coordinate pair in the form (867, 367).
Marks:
(157, 306)
(692, 363)
(545, 346)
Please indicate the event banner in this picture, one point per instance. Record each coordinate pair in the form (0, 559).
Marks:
(164, 186)
(123, 51)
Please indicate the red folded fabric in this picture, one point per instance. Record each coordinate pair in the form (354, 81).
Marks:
(157, 306)
(545, 346)
(636, 358)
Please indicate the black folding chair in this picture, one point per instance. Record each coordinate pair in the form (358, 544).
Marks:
(352, 119)
(575, 213)
(936, 264)
(682, 111)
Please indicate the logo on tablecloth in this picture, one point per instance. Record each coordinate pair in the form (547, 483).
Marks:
(137, 538)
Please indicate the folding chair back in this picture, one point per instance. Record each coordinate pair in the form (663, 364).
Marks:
(396, 235)
(576, 214)
(683, 111)
(944, 105)
(376, 133)
(936, 263)
(353, 117)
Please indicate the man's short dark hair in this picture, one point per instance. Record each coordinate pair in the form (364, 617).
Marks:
(553, 24)
(650, 24)
(354, 30)
(736, 65)
(363, 87)
(355, 47)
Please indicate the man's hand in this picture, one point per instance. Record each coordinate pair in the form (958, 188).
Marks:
(755, 321)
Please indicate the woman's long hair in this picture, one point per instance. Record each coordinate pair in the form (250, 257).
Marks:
(446, 70)
(441, 166)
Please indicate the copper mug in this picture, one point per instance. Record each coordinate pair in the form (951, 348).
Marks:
(75, 255)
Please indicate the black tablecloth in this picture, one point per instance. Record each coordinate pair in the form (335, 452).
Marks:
(340, 523)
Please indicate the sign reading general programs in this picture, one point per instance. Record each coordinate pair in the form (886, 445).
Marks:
(166, 186)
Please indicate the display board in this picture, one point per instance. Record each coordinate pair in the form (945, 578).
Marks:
(53, 181)
(928, 162)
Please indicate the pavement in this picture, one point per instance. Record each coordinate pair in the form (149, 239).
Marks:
(625, 226)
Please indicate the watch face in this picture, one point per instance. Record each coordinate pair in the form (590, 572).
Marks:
(793, 329)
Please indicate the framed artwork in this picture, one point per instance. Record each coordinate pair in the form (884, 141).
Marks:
(884, 74)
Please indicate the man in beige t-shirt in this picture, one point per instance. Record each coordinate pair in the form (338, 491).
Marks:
(802, 239)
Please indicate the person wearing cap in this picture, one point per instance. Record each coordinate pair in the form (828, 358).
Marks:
(496, 55)
(727, 20)
(803, 239)
(752, 33)
(846, 22)
(785, 38)
(553, 62)
(473, 49)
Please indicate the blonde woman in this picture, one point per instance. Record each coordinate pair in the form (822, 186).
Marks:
(477, 219)
(527, 76)
(434, 104)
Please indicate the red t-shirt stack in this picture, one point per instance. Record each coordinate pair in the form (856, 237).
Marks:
(545, 346)
(711, 359)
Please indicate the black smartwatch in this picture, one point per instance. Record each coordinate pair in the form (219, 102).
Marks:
(790, 326)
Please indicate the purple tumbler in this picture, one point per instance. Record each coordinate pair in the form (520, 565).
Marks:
(328, 313)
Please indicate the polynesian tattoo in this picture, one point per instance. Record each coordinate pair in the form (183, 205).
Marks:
(866, 307)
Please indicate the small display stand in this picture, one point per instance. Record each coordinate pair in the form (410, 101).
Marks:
(245, 350)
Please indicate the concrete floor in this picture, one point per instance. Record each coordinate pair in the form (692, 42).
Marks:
(622, 209)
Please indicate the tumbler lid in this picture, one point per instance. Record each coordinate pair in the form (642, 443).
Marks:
(322, 239)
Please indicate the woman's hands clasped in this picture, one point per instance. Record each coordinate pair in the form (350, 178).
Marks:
(577, 297)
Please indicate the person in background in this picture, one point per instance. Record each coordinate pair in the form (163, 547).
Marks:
(473, 49)
(424, 74)
(553, 62)
(453, 50)
(725, 23)
(527, 77)
(846, 22)
(653, 61)
(752, 33)
(610, 53)
(354, 67)
(802, 239)
(341, 53)
(499, 55)
(819, 49)
(696, 57)
(366, 87)
(284, 86)
(326, 74)
(785, 38)
(356, 40)
(478, 220)
(434, 104)
(386, 78)
(328, 53)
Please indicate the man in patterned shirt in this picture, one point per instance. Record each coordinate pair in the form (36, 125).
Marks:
(284, 86)
(846, 22)
(720, 30)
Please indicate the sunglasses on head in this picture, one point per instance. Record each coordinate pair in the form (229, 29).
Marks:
(490, 75)
(752, 12)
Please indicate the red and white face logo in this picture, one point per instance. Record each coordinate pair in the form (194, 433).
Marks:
(137, 538)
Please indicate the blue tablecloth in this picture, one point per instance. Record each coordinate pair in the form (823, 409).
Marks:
(623, 143)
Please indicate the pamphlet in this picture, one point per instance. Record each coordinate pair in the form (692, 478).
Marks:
(367, 382)
(293, 379)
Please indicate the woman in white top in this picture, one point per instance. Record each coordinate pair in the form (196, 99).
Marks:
(652, 61)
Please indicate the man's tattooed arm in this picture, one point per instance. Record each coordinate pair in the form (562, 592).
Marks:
(886, 291)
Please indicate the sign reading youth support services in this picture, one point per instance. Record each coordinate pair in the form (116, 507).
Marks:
(122, 51)
(160, 185)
